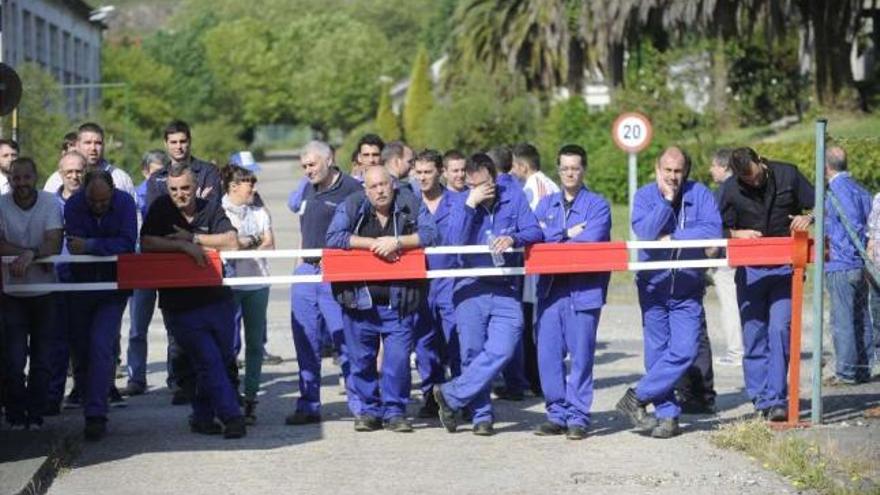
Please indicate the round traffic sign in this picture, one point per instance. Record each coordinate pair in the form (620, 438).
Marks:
(10, 89)
(632, 132)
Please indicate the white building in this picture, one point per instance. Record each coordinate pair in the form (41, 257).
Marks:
(58, 36)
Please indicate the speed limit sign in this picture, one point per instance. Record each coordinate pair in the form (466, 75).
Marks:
(632, 132)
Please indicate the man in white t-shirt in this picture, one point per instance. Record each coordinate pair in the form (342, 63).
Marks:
(90, 144)
(31, 227)
(8, 152)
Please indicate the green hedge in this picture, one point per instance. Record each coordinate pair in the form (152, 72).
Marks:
(863, 157)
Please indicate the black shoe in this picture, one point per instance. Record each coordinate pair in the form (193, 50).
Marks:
(549, 428)
(503, 393)
(666, 428)
(444, 412)
(53, 409)
(234, 428)
(181, 397)
(301, 418)
(367, 423)
(115, 398)
(132, 389)
(429, 409)
(399, 424)
(467, 415)
(205, 427)
(576, 433)
(73, 399)
(777, 414)
(484, 429)
(271, 359)
(250, 412)
(698, 407)
(635, 411)
(95, 429)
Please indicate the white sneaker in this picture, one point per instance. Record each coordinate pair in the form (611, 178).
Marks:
(729, 361)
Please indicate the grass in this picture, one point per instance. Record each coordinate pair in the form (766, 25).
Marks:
(803, 463)
(840, 125)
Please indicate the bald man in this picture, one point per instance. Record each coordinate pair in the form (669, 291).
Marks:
(672, 208)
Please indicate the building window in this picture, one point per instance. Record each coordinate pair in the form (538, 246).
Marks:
(54, 49)
(40, 41)
(27, 40)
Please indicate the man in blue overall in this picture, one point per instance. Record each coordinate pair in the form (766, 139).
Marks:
(673, 208)
(845, 272)
(201, 320)
(385, 222)
(313, 305)
(569, 306)
(435, 326)
(487, 309)
(102, 221)
(767, 200)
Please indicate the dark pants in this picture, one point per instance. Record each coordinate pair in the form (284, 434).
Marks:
(29, 327)
(698, 383)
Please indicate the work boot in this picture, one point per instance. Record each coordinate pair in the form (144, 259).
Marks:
(666, 428)
(777, 414)
(205, 427)
(271, 359)
(576, 433)
(367, 423)
(132, 389)
(234, 428)
(484, 429)
(115, 398)
(399, 424)
(301, 418)
(635, 411)
(250, 411)
(549, 428)
(445, 412)
(95, 429)
(429, 409)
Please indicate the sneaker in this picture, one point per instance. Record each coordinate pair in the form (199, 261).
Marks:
(367, 423)
(729, 360)
(429, 409)
(234, 428)
(271, 359)
(398, 424)
(502, 393)
(116, 399)
(301, 418)
(635, 411)
(444, 411)
(666, 428)
(484, 429)
(250, 412)
(548, 429)
(95, 429)
(576, 433)
(132, 389)
(205, 427)
(73, 399)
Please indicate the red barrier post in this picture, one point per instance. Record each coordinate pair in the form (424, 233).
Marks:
(800, 251)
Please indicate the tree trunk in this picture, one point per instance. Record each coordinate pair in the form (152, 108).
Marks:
(615, 65)
(719, 77)
(833, 23)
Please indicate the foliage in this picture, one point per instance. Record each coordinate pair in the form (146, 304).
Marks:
(386, 121)
(863, 157)
(765, 80)
(216, 140)
(42, 121)
(419, 101)
(481, 112)
(149, 106)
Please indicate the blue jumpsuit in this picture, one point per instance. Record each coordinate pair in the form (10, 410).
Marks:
(671, 300)
(569, 307)
(487, 309)
(96, 322)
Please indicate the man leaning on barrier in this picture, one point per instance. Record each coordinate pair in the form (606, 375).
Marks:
(102, 221)
(673, 208)
(384, 221)
(201, 320)
(767, 200)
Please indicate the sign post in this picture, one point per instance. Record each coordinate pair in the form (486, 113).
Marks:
(632, 133)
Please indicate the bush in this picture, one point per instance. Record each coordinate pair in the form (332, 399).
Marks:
(863, 157)
(214, 141)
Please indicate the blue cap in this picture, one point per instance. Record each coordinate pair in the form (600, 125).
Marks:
(245, 159)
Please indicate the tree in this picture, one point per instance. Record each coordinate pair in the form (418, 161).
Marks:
(148, 106)
(386, 121)
(419, 100)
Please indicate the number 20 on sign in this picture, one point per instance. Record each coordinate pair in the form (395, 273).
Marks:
(632, 132)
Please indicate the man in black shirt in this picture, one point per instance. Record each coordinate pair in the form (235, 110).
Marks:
(202, 320)
(381, 220)
(767, 200)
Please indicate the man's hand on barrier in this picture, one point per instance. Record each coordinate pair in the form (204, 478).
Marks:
(76, 245)
(180, 234)
(387, 248)
(196, 253)
(801, 222)
(745, 234)
(501, 243)
(20, 264)
(483, 192)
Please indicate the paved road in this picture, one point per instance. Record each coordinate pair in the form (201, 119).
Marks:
(150, 450)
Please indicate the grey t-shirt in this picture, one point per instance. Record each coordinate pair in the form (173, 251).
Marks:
(26, 228)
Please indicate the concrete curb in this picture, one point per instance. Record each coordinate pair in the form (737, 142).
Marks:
(62, 454)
